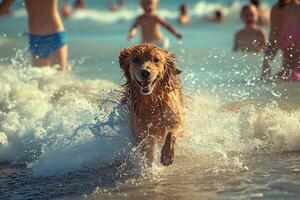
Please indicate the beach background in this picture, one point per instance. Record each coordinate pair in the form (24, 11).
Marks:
(65, 136)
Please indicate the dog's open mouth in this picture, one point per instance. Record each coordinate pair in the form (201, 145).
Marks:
(146, 86)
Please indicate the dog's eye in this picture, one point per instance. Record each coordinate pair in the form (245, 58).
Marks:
(136, 60)
(156, 60)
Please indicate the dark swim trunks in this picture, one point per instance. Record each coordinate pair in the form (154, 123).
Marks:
(45, 45)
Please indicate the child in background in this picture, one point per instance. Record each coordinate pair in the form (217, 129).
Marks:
(66, 10)
(150, 25)
(184, 18)
(80, 5)
(251, 38)
(115, 7)
(217, 18)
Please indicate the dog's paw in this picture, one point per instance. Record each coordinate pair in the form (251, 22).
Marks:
(168, 152)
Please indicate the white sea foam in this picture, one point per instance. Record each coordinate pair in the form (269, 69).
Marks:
(49, 119)
(200, 9)
(203, 8)
(57, 123)
(104, 16)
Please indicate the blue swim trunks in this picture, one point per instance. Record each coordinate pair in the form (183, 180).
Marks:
(45, 45)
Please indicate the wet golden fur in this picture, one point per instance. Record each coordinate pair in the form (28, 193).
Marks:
(156, 115)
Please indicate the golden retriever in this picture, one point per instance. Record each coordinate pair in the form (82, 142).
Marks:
(154, 93)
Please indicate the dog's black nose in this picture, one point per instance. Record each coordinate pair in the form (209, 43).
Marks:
(145, 73)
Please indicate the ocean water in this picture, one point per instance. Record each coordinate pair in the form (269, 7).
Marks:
(65, 136)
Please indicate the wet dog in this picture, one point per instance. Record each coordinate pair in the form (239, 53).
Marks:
(154, 93)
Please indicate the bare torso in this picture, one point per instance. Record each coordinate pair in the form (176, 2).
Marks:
(250, 40)
(43, 17)
(150, 28)
(184, 19)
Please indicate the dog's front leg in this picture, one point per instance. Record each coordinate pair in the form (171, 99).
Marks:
(168, 150)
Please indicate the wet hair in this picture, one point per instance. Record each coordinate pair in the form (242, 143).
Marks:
(246, 8)
(145, 1)
(183, 7)
(256, 3)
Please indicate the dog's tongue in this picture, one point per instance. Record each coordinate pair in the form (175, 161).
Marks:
(145, 84)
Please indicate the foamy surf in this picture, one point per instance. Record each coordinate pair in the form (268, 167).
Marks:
(56, 123)
(200, 9)
(47, 120)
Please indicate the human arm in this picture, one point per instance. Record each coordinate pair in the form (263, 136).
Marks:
(169, 27)
(262, 39)
(236, 45)
(133, 29)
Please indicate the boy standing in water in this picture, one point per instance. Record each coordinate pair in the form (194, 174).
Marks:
(252, 38)
(47, 38)
(150, 25)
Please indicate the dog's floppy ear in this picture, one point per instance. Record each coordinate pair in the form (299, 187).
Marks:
(124, 62)
(171, 80)
(171, 63)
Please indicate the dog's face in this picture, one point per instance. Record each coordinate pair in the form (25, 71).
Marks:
(145, 66)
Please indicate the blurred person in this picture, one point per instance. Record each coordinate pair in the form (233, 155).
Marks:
(47, 36)
(113, 7)
(263, 14)
(80, 5)
(184, 17)
(150, 24)
(217, 18)
(251, 38)
(66, 10)
(284, 36)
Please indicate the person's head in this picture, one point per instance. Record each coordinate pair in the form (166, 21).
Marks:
(219, 14)
(249, 15)
(256, 3)
(149, 5)
(184, 9)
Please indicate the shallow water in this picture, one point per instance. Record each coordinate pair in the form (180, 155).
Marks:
(67, 136)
